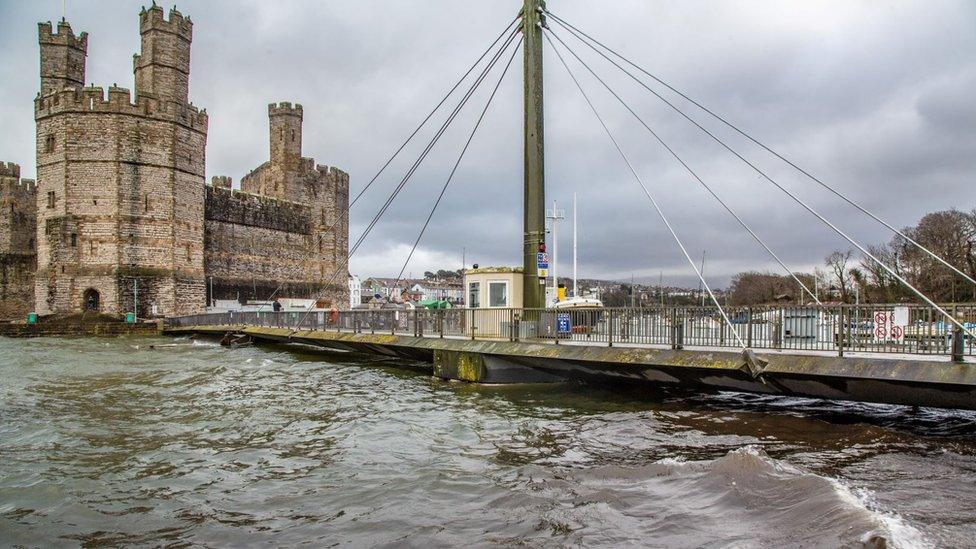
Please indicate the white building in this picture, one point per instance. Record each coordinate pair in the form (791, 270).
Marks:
(355, 291)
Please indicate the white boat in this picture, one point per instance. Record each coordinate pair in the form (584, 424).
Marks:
(579, 303)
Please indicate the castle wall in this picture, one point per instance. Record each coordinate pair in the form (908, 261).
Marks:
(255, 243)
(288, 176)
(18, 261)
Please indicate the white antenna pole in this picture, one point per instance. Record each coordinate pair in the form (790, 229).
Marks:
(575, 284)
(555, 215)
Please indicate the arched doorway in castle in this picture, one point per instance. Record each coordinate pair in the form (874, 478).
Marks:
(91, 299)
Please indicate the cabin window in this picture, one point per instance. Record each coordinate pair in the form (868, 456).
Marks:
(498, 294)
(74, 240)
(49, 144)
(50, 199)
(474, 295)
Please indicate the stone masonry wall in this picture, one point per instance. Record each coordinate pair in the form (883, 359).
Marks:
(325, 190)
(121, 188)
(18, 261)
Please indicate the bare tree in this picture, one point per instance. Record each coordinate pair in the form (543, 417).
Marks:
(836, 264)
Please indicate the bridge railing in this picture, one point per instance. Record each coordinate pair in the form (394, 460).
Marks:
(883, 328)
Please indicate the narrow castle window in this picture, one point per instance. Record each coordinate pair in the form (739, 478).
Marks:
(146, 202)
(293, 135)
(30, 244)
(49, 144)
(189, 254)
(50, 199)
(74, 240)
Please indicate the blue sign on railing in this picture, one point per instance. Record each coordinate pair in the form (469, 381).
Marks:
(564, 325)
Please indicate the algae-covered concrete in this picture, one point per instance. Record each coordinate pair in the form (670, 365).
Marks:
(894, 380)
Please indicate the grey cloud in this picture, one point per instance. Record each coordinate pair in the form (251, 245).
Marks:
(874, 98)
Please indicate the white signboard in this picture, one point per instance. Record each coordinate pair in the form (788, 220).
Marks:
(890, 325)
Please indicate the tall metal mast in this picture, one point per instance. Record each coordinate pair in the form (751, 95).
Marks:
(534, 221)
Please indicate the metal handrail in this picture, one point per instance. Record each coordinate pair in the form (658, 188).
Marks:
(835, 328)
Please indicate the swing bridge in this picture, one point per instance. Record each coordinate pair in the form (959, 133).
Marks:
(919, 354)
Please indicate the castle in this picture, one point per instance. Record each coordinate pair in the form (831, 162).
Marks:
(120, 217)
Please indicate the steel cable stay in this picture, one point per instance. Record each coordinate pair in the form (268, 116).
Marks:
(433, 141)
(689, 170)
(416, 164)
(647, 193)
(578, 34)
(345, 211)
(807, 207)
(450, 177)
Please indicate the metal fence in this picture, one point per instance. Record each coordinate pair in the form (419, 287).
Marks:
(883, 328)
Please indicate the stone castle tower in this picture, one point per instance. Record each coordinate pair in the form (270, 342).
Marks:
(120, 177)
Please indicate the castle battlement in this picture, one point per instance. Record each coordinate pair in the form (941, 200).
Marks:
(118, 100)
(331, 171)
(9, 169)
(154, 19)
(63, 37)
(284, 108)
(12, 185)
(25, 189)
(221, 181)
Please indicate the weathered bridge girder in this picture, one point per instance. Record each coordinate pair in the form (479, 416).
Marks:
(894, 380)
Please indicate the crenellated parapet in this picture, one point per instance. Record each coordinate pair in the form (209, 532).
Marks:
(94, 99)
(154, 18)
(12, 185)
(9, 169)
(285, 108)
(222, 182)
(252, 210)
(63, 37)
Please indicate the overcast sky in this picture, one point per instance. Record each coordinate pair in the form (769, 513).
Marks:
(877, 98)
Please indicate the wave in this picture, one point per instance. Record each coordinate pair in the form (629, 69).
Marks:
(748, 499)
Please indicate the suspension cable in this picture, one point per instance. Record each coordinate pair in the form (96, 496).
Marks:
(689, 169)
(799, 201)
(574, 30)
(345, 211)
(456, 164)
(433, 141)
(647, 193)
(417, 163)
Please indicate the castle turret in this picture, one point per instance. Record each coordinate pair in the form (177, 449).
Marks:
(285, 120)
(62, 57)
(162, 70)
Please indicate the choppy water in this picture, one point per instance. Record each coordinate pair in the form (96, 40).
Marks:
(108, 442)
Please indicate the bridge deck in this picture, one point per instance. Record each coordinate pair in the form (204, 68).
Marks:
(918, 380)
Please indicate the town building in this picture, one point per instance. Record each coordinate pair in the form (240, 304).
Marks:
(355, 291)
(124, 219)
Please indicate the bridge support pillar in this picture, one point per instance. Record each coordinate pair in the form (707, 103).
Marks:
(481, 368)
